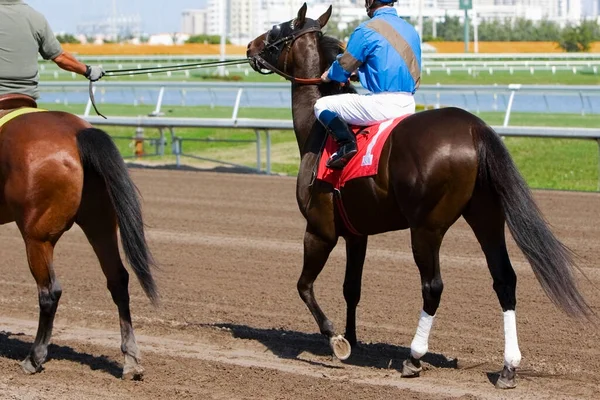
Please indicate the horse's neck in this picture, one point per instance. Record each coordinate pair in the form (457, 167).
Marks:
(304, 98)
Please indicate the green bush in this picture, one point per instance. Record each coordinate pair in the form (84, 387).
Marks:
(67, 38)
(208, 39)
(578, 38)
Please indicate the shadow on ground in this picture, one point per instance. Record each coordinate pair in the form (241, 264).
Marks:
(16, 346)
(291, 344)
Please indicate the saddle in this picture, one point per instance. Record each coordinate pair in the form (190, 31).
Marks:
(13, 105)
(12, 101)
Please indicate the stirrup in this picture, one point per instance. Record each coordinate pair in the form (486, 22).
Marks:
(337, 161)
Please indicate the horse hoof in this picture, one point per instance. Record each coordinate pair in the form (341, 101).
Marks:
(135, 373)
(410, 370)
(29, 368)
(341, 347)
(507, 379)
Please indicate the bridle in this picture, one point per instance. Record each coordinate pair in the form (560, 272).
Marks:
(271, 53)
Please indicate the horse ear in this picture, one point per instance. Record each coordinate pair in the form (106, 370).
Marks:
(300, 19)
(323, 19)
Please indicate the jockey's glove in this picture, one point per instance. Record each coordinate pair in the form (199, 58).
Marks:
(93, 73)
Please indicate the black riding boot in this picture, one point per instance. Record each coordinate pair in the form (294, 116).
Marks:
(346, 141)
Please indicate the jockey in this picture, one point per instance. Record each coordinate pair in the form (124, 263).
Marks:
(24, 33)
(386, 51)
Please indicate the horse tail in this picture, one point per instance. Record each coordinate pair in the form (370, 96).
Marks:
(552, 262)
(99, 154)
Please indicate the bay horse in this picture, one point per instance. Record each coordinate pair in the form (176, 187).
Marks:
(436, 166)
(57, 170)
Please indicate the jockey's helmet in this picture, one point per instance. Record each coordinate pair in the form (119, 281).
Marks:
(369, 4)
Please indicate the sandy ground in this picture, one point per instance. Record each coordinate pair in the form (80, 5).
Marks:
(232, 326)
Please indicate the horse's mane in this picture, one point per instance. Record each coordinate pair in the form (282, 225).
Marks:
(330, 49)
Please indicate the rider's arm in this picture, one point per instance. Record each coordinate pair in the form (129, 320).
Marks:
(50, 49)
(68, 62)
(353, 57)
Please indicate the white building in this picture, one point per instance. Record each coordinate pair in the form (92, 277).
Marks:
(555, 10)
(243, 20)
(590, 8)
(193, 22)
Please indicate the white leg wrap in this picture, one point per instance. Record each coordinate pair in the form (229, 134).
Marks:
(512, 354)
(420, 344)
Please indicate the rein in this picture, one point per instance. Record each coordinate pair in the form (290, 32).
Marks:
(179, 67)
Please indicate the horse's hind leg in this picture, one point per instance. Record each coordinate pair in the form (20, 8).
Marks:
(426, 251)
(98, 220)
(486, 218)
(316, 253)
(40, 256)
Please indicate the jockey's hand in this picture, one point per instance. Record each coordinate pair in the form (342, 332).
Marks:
(325, 76)
(93, 73)
(354, 77)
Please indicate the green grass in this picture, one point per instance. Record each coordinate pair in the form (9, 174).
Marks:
(582, 77)
(545, 163)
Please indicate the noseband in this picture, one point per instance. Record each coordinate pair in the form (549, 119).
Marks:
(272, 52)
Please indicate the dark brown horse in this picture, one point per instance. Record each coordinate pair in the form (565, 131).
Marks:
(436, 166)
(56, 170)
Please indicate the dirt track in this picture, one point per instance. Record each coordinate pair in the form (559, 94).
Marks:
(231, 324)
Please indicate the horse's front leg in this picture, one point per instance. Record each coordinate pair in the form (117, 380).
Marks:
(316, 253)
(356, 250)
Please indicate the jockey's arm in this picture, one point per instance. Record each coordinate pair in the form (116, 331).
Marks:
(353, 57)
(68, 62)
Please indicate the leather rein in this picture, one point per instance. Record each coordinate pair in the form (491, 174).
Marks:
(287, 41)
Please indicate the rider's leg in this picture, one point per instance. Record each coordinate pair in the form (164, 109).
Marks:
(342, 135)
(335, 111)
(365, 110)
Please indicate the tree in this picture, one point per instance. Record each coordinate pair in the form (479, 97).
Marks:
(67, 38)
(208, 39)
(576, 38)
(548, 31)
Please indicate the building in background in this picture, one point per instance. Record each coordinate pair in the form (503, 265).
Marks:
(590, 8)
(562, 11)
(112, 28)
(246, 19)
(193, 22)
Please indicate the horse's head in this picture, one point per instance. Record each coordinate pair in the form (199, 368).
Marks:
(289, 46)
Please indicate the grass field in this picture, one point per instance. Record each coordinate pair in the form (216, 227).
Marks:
(482, 77)
(545, 163)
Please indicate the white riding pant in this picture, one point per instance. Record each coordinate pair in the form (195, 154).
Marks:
(364, 110)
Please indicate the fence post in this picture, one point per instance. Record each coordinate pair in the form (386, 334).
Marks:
(236, 107)
(268, 134)
(156, 111)
(513, 88)
(258, 160)
(161, 144)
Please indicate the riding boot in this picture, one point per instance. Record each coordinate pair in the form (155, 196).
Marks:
(346, 141)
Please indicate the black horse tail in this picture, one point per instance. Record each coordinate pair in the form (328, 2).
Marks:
(99, 154)
(552, 261)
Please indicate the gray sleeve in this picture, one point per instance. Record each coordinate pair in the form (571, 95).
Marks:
(49, 47)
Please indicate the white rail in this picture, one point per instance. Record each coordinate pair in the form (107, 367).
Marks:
(266, 125)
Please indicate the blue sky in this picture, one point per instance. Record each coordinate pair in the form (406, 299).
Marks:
(64, 15)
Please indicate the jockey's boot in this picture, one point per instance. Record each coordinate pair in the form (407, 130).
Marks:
(346, 141)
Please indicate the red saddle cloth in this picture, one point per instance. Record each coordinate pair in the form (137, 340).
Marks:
(365, 162)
